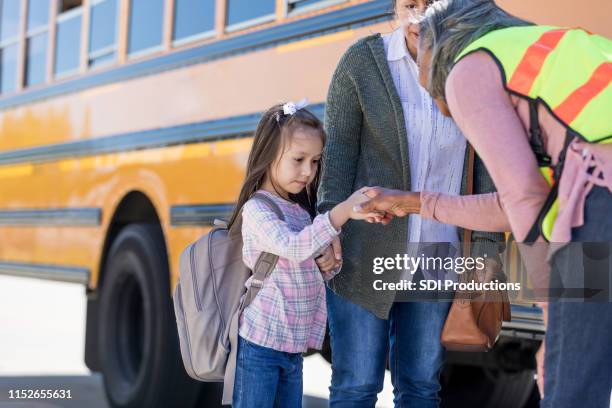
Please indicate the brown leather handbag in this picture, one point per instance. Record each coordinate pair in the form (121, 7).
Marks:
(475, 317)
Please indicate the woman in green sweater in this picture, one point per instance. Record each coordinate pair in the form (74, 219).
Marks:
(385, 130)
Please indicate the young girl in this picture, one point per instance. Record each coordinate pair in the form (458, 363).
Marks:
(288, 316)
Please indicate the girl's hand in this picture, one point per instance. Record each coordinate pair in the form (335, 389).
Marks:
(355, 200)
(344, 211)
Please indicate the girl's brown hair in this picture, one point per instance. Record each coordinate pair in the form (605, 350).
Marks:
(271, 136)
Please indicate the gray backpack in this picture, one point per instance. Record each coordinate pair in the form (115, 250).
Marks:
(207, 300)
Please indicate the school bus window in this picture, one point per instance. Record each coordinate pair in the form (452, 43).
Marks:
(10, 12)
(36, 42)
(193, 19)
(298, 6)
(146, 26)
(8, 73)
(244, 13)
(38, 14)
(9, 23)
(102, 32)
(68, 40)
(36, 59)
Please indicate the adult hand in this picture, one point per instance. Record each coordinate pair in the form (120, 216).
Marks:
(393, 203)
(330, 261)
(541, 352)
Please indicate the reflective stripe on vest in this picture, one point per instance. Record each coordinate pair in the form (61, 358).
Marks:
(547, 172)
(571, 107)
(531, 64)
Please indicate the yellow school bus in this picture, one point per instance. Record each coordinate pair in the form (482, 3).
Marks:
(124, 130)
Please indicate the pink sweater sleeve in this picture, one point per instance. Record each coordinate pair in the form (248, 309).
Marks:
(483, 110)
(480, 212)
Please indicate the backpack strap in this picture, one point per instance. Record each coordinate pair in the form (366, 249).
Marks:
(535, 132)
(271, 203)
(266, 262)
(537, 145)
(536, 228)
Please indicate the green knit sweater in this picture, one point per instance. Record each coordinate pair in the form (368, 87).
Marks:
(367, 146)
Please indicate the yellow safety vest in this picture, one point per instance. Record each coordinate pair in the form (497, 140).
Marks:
(567, 70)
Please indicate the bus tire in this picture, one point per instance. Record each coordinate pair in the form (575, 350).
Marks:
(138, 344)
(484, 387)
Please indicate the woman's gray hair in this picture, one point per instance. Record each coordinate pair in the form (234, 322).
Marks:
(450, 26)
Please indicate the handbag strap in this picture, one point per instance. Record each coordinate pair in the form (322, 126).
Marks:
(467, 233)
(266, 261)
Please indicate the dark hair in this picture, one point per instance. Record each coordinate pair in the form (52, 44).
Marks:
(273, 130)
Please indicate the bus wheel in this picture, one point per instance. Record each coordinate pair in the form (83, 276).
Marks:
(138, 344)
(484, 387)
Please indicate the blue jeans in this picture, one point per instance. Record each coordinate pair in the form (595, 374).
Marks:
(360, 345)
(578, 358)
(267, 378)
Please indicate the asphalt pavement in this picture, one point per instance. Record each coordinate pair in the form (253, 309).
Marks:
(42, 342)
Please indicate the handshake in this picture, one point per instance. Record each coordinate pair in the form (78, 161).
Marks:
(372, 204)
(379, 204)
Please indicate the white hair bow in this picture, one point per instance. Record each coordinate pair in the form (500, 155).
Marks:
(290, 108)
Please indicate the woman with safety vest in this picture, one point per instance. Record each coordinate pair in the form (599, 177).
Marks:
(535, 102)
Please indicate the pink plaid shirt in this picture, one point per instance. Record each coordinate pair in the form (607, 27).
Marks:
(289, 312)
